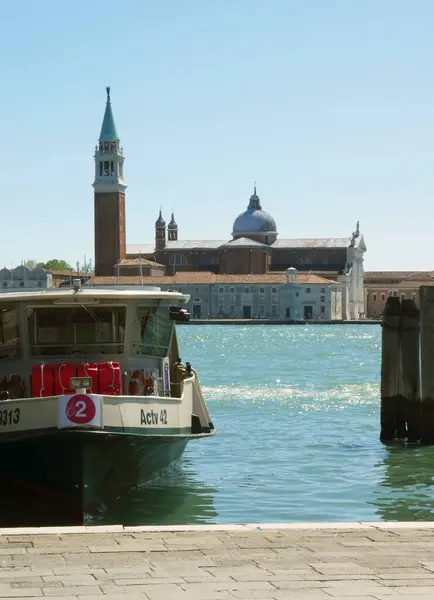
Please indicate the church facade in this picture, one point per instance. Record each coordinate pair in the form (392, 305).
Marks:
(255, 256)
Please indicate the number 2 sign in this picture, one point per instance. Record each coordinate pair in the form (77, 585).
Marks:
(80, 409)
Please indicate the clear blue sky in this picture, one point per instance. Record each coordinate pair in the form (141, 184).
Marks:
(328, 105)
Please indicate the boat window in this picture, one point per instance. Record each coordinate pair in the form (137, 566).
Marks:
(9, 332)
(152, 330)
(83, 329)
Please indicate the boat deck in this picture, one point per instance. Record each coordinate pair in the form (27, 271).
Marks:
(357, 561)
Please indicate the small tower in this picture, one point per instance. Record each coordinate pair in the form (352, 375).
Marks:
(172, 230)
(109, 186)
(160, 232)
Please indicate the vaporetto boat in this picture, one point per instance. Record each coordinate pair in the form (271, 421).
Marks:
(94, 398)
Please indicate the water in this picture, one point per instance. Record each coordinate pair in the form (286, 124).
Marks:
(297, 416)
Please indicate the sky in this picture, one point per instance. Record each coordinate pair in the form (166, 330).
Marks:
(327, 105)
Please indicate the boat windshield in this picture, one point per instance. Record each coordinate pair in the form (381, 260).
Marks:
(9, 332)
(152, 330)
(80, 329)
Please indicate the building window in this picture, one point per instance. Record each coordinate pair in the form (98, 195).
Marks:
(322, 290)
(307, 290)
(297, 294)
(261, 290)
(273, 299)
(302, 260)
(324, 261)
(221, 290)
(322, 310)
(413, 296)
(395, 293)
(232, 290)
(274, 290)
(232, 309)
(390, 293)
(215, 260)
(220, 298)
(374, 297)
(273, 309)
(197, 300)
(322, 299)
(247, 290)
(383, 297)
(196, 290)
(261, 309)
(177, 259)
(402, 295)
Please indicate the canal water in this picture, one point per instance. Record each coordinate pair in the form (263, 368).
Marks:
(297, 415)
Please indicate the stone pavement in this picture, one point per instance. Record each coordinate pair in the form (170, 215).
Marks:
(353, 561)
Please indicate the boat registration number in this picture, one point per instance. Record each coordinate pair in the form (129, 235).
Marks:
(9, 417)
(153, 417)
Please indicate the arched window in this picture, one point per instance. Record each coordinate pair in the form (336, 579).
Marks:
(178, 259)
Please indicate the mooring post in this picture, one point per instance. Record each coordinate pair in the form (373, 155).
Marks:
(410, 369)
(390, 369)
(427, 363)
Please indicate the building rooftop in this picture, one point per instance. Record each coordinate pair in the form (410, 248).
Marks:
(135, 249)
(133, 262)
(207, 277)
(244, 242)
(312, 243)
(386, 276)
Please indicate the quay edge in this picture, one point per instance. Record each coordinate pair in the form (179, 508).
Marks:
(116, 529)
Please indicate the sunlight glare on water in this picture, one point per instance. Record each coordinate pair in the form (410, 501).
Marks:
(297, 415)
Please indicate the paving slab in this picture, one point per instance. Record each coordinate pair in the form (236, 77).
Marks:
(271, 561)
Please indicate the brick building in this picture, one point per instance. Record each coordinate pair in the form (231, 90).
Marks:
(254, 250)
(379, 285)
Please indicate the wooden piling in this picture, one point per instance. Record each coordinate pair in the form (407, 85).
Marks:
(390, 370)
(410, 379)
(427, 363)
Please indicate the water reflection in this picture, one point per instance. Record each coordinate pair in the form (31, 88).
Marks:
(176, 497)
(406, 492)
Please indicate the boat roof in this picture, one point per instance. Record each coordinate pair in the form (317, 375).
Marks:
(131, 293)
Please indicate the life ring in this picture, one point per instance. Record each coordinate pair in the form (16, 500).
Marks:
(137, 383)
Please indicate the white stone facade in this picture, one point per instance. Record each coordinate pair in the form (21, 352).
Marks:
(288, 301)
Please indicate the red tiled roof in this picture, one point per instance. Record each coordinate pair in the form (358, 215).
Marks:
(206, 277)
(72, 273)
(399, 275)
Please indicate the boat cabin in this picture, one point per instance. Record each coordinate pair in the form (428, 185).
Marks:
(121, 340)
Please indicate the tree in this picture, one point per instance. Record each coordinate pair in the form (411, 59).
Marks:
(55, 264)
(30, 264)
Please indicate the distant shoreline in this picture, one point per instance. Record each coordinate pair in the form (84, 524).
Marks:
(277, 322)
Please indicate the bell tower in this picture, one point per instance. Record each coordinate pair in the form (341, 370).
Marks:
(160, 232)
(109, 186)
(172, 229)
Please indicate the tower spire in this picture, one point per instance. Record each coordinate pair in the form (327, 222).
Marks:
(108, 128)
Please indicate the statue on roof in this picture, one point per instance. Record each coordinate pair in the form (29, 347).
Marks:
(108, 93)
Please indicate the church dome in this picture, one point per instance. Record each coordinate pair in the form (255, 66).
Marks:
(254, 219)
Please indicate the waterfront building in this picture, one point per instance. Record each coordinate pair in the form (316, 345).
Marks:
(23, 277)
(254, 250)
(290, 296)
(379, 285)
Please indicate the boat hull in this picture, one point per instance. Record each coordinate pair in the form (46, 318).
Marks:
(82, 472)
